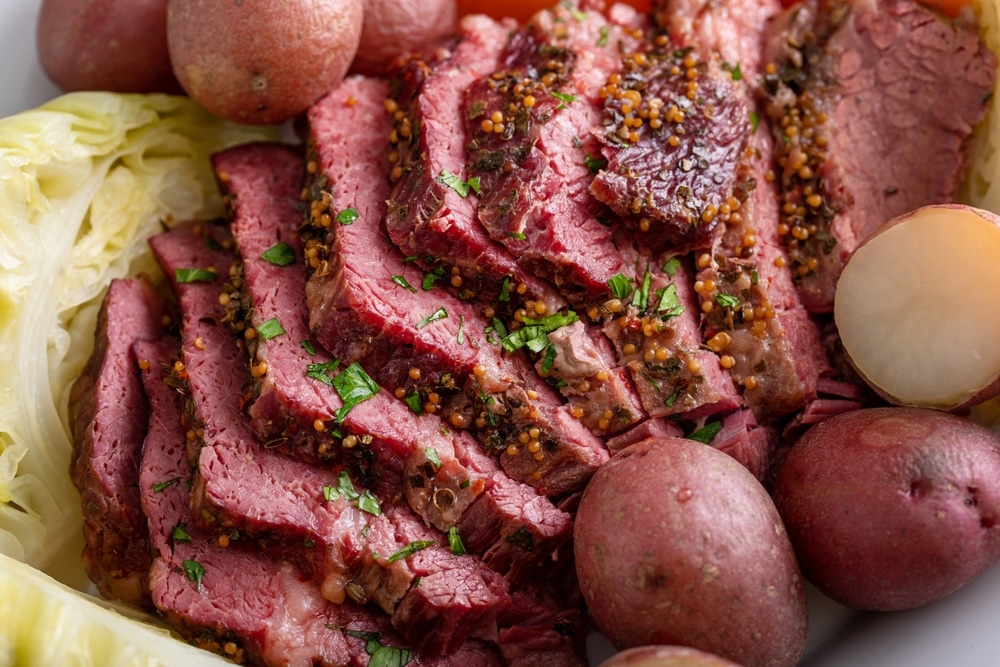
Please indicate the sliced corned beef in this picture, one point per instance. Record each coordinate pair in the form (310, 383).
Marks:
(315, 517)
(538, 630)
(436, 466)
(530, 144)
(432, 208)
(426, 345)
(654, 323)
(110, 415)
(247, 605)
(675, 129)
(872, 104)
(753, 319)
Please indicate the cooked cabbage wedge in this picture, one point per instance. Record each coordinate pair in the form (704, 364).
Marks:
(84, 180)
(45, 623)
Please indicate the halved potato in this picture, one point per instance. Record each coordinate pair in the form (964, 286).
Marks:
(918, 311)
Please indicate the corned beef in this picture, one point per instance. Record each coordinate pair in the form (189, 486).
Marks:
(109, 416)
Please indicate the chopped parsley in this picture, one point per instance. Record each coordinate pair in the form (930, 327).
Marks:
(160, 486)
(433, 457)
(194, 571)
(347, 216)
(438, 314)
(414, 402)
(460, 337)
(455, 542)
(520, 236)
(594, 164)
(603, 39)
(308, 346)
(458, 185)
(353, 386)
(549, 359)
(734, 70)
(564, 99)
(410, 549)
(754, 120)
(194, 275)
(180, 534)
(270, 329)
(381, 655)
(280, 254)
(671, 266)
(364, 501)
(620, 286)
(705, 433)
(669, 305)
(640, 297)
(534, 334)
(432, 277)
(323, 372)
(727, 300)
(505, 289)
(404, 283)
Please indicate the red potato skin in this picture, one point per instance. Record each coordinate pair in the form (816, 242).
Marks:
(892, 508)
(666, 656)
(394, 28)
(261, 61)
(677, 543)
(114, 45)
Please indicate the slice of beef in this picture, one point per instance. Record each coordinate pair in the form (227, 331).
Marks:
(246, 605)
(538, 630)
(528, 126)
(754, 319)
(675, 129)
(431, 212)
(872, 105)
(314, 517)
(424, 345)
(109, 416)
(651, 428)
(438, 473)
(654, 323)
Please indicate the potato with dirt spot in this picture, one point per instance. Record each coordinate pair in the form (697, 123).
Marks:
(261, 61)
(677, 543)
(892, 508)
(113, 45)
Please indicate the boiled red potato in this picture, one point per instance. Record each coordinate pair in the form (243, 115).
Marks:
(892, 508)
(916, 308)
(666, 656)
(261, 61)
(677, 543)
(115, 45)
(393, 28)
(522, 10)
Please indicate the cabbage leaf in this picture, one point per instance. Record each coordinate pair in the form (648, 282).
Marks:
(84, 180)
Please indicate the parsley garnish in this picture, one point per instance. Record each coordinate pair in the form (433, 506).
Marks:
(754, 121)
(460, 337)
(603, 39)
(670, 304)
(404, 283)
(180, 534)
(734, 71)
(353, 386)
(620, 286)
(160, 486)
(534, 334)
(194, 275)
(671, 266)
(432, 456)
(564, 99)
(595, 164)
(438, 314)
(323, 372)
(520, 236)
(364, 501)
(269, 329)
(706, 432)
(347, 216)
(505, 289)
(308, 347)
(727, 300)
(458, 185)
(432, 277)
(280, 254)
(194, 571)
(640, 298)
(381, 655)
(410, 549)
(455, 541)
(549, 359)
(414, 402)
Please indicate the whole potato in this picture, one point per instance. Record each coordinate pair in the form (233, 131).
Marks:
(891, 508)
(675, 542)
(394, 27)
(261, 61)
(666, 656)
(116, 45)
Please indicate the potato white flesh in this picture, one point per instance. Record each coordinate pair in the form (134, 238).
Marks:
(916, 307)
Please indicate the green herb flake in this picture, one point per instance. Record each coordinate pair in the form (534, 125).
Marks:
(620, 286)
(754, 120)
(180, 534)
(504, 290)
(549, 359)
(280, 254)
(672, 266)
(564, 99)
(194, 571)
(369, 503)
(323, 372)
(455, 542)
(270, 329)
(347, 216)
(458, 185)
(308, 346)
(640, 297)
(671, 399)
(754, 277)
(381, 655)
(366, 531)
(330, 493)
(404, 283)
(466, 483)
(594, 164)
(433, 457)
(706, 433)
(195, 275)
(438, 314)
(460, 337)
(353, 386)
(603, 39)
(727, 300)
(520, 236)
(414, 402)
(734, 71)
(534, 334)
(410, 549)
(432, 277)
(669, 304)
(160, 486)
